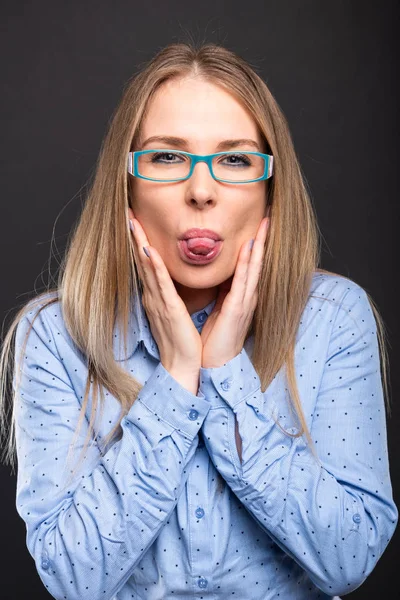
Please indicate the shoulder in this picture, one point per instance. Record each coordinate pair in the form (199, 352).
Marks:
(333, 287)
(43, 317)
(341, 302)
(340, 291)
(45, 347)
(38, 310)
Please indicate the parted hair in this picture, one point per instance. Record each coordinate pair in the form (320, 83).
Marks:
(98, 277)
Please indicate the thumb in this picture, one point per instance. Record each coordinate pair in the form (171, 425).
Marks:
(223, 290)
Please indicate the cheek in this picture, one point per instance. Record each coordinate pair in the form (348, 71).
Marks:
(161, 234)
(248, 202)
(244, 222)
(155, 217)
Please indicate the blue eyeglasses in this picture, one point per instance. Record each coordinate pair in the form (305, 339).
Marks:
(171, 165)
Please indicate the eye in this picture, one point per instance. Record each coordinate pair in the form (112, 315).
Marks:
(157, 156)
(237, 159)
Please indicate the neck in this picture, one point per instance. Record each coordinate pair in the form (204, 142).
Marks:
(195, 299)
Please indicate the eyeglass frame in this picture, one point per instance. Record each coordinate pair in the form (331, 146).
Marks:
(196, 158)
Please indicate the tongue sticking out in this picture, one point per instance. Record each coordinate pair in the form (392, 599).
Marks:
(200, 245)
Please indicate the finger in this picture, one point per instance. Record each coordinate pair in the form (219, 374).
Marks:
(223, 289)
(134, 248)
(158, 278)
(256, 260)
(143, 263)
(238, 287)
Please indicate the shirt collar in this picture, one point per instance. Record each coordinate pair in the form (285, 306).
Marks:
(139, 330)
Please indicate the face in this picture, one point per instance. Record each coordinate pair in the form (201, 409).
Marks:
(204, 114)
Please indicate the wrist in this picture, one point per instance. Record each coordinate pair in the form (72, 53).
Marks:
(187, 379)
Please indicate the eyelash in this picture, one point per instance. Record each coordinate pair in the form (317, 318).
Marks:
(241, 156)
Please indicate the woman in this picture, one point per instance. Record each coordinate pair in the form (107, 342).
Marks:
(191, 359)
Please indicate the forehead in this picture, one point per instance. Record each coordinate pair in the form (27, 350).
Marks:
(197, 109)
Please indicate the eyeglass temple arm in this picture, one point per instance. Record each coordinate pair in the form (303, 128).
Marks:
(270, 165)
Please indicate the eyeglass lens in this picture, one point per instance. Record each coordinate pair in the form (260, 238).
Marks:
(231, 166)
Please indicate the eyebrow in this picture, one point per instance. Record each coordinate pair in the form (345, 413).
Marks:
(183, 143)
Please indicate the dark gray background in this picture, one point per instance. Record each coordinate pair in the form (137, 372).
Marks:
(330, 65)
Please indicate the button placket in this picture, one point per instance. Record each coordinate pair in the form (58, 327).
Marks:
(200, 543)
(201, 317)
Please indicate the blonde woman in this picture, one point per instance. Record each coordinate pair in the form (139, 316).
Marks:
(198, 409)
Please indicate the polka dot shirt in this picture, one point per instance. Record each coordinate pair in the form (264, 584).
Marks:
(170, 509)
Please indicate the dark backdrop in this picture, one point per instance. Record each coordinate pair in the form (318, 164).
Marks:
(331, 67)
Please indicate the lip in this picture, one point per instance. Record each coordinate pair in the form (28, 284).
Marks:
(198, 232)
(198, 259)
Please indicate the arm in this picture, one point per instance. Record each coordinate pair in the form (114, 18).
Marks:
(87, 538)
(335, 519)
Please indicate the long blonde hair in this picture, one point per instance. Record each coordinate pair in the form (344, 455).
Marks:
(98, 277)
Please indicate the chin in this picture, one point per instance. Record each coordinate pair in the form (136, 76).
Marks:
(199, 282)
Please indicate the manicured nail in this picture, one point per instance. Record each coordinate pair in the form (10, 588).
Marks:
(146, 251)
(131, 225)
(251, 244)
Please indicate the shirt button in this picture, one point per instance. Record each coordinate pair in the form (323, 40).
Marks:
(226, 384)
(193, 415)
(45, 564)
(202, 317)
(202, 583)
(199, 513)
(356, 518)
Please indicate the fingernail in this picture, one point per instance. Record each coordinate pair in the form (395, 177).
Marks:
(131, 225)
(146, 251)
(251, 244)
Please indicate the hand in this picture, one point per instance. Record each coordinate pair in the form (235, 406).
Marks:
(177, 338)
(224, 332)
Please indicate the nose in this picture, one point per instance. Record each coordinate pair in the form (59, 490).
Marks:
(202, 167)
(201, 186)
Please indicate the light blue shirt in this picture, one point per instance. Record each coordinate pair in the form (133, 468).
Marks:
(146, 519)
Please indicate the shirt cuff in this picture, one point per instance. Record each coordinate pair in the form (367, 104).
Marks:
(234, 381)
(169, 401)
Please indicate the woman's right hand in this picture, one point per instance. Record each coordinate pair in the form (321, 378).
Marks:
(177, 338)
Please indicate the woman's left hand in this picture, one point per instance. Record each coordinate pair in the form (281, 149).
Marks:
(224, 332)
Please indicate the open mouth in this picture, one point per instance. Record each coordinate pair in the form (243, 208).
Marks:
(199, 250)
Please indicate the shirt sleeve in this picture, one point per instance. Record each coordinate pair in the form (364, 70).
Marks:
(86, 538)
(334, 518)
